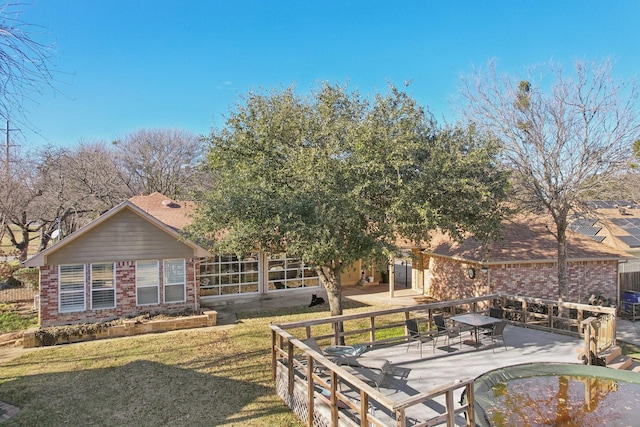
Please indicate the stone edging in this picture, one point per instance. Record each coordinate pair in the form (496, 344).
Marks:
(132, 327)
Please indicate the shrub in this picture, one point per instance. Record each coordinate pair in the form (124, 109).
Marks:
(29, 276)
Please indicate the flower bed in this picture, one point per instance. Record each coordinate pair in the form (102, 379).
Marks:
(128, 327)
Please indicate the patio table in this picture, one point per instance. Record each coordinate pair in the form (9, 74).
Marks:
(476, 320)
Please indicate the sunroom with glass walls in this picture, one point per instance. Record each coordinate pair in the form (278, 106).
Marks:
(228, 275)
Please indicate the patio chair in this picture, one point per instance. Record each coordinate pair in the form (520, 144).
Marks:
(444, 331)
(497, 333)
(371, 376)
(414, 334)
(368, 369)
(350, 355)
(496, 313)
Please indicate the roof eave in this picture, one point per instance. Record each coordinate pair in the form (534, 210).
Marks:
(40, 259)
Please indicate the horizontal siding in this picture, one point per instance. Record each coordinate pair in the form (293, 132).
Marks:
(126, 236)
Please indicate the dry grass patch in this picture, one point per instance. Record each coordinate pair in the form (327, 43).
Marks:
(201, 377)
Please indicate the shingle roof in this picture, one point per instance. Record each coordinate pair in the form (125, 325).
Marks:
(524, 239)
(176, 215)
(610, 215)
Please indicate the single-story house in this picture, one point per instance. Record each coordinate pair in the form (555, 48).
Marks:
(133, 260)
(523, 262)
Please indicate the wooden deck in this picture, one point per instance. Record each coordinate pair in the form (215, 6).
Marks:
(421, 391)
(445, 365)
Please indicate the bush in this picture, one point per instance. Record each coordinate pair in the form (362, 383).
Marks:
(50, 336)
(29, 276)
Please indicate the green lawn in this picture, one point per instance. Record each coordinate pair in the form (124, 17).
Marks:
(11, 321)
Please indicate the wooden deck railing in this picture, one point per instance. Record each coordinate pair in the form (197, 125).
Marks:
(318, 400)
(597, 333)
(554, 316)
(313, 396)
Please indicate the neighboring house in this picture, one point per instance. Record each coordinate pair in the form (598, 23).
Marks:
(523, 262)
(615, 223)
(133, 260)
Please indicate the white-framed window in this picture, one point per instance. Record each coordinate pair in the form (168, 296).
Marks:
(175, 280)
(226, 274)
(71, 288)
(147, 282)
(103, 290)
(290, 273)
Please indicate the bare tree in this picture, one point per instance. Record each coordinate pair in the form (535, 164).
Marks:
(93, 175)
(57, 189)
(563, 139)
(22, 205)
(25, 63)
(62, 189)
(163, 160)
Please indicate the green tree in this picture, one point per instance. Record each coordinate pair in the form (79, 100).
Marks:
(332, 177)
(565, 138)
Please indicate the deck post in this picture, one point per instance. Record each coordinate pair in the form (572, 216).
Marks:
(310, 391)
(471, 413)
(334, 399)
(290, 367)
(372, 332)
(273, 354)
(364, 409)
(451, 414)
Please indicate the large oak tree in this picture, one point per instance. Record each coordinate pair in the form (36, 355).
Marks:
(331, 177)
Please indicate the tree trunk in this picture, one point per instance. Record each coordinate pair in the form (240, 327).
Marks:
(562, 262)
(562, 267)
(330, 277)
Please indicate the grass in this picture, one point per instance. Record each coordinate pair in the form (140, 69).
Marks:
(630, 349)
(200, 377)
(5, 243)
(12, 321)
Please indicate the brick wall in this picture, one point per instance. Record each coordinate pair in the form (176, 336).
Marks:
(449, 280)
(125, 296)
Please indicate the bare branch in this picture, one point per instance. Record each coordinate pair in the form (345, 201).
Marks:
(564, 137)
(25, 63)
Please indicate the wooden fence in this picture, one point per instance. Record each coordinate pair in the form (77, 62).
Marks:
(630, 281)
(18, 294)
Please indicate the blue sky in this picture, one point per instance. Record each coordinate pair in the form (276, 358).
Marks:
(123, 65)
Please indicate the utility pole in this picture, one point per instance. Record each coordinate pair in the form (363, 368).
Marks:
(7, 153)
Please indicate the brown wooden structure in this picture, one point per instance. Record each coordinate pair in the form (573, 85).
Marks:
(314, 386)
